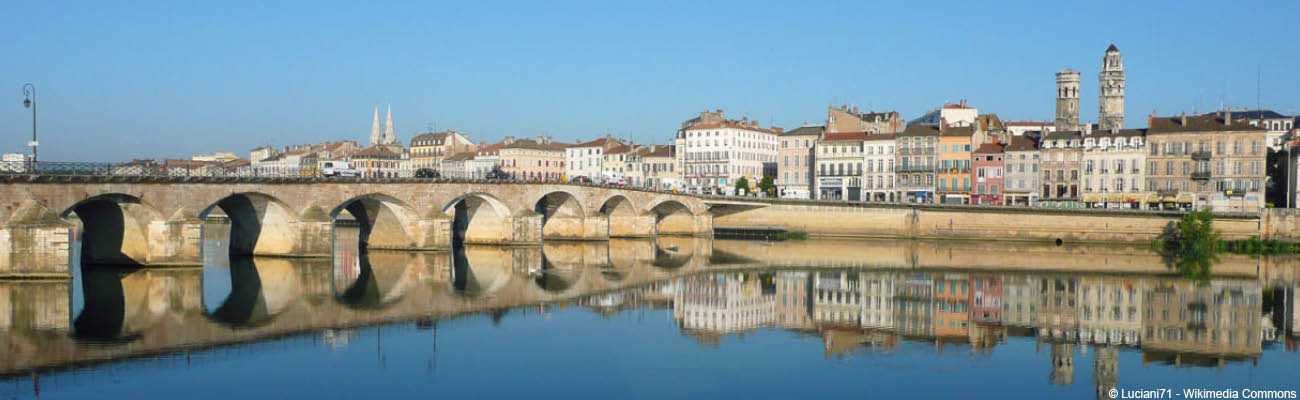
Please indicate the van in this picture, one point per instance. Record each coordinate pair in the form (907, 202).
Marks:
(337, 168)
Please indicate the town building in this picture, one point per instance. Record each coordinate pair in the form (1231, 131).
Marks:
(879, 159)
(381, 161)
(1110, 310)
(987, 166)
(587, 159)
(916, 163)
(1113, 164)
(458, 166)
(1110, 91)
(914, 303)
(839, 158)
(878, 299)
(1210, 160)
(1191, 323)
(616, 164)
(1019, 300)
(849, 119)
(220, 156)
(953, 172)
(792, 305)
(1277, 125)
(951, 306)
(536, 160)
(986, 299)
(428, 149)
(1058, 314)
(959, 114)
(1062, 153)
(654, 166)
(796, 161)
(1021, 175)
(718, 151)
(723, 303)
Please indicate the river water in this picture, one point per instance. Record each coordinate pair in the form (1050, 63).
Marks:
(669, 317)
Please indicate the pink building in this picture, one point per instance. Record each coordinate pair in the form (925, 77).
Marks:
(986, 175)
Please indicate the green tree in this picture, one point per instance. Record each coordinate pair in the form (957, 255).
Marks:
(742, 186)
(767, 185)
(1193, 246)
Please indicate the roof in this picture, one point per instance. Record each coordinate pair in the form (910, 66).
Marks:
(835, 136)
(1112, 48)
(598, 142)
(1063, 135)
(428, 136)
(1213, 122)
(657, 151)
(966, 131)
(462, 156)
(1020, 143)
(880, 136)
(379, 150)
(619, 149)
(920, 130)
(753, 126)
(989, 148)
(811, 130)
(1257, 114)
(1119, 133)
(534, 145)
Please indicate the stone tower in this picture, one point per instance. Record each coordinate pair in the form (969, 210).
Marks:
(1067, 100)
(1110, 90)
(390, 135)
(375, 134)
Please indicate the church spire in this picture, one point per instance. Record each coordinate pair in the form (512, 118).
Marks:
(374, 129)
(389, 136)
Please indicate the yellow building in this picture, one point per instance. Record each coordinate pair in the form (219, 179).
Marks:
(428, 149)
(530, 159)
(954, 165)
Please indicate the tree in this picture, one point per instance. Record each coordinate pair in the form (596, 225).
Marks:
(742, 186)
(1193, 246)
(767, 185)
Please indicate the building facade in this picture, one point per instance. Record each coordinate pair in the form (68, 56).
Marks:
(1113, 172)
(529, 159)
(795, 161)
(986, 175)
(1062, 153)
(587, 159)
(429, 149)
(849, 119)
(915, 163)
(879, 176)
(718, 151)
(839, 158)
(1022, 175)
(953, 172)
(1210, 160)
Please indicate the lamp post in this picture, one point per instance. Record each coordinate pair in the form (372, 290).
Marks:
(29, 101)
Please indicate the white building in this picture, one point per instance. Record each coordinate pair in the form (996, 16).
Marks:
(1019, 128)
(717, 151)
(588, 159)
(878, 154)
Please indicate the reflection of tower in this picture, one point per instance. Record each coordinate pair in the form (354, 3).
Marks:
(1067, 100)
(1062, 364)
(1110, 91)
(1105, 370)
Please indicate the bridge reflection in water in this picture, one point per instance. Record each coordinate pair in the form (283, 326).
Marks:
(855, 295)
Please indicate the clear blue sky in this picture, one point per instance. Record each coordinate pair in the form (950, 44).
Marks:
(118, 80)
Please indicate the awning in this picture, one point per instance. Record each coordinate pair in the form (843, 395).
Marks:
(1170, 199)
(1132, 198)
(1155, 198)
(1186, 198)
(1114, 198)
(1091, 198)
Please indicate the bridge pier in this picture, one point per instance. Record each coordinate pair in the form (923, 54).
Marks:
(34, 242)
(683, 224)
(178, 240)
(632, 226)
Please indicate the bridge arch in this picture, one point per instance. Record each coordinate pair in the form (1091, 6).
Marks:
(673, 217)
(115, 228)
(624, 218)
(259, 223)
(386, 222)
(382, 279)
(260, 291)
(478, 218)
(562, 214)
(479, 271)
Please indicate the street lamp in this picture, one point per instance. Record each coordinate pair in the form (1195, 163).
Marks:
(29, 101)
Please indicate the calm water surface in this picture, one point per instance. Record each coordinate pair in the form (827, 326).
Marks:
(672, 317)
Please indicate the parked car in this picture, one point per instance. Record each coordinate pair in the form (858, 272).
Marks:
(426, 173)
(581, 179)
(497, 173)
(338, 168)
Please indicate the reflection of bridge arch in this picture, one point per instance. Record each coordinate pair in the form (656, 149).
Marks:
(386, 222)
(259, 223)
(115, 228)
(478, 218)
(672, 217)
(259, 292)
(562, 215)
(479, 272)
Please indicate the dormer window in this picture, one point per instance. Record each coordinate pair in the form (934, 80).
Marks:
(1089, 142)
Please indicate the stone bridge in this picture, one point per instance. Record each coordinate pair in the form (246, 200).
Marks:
(157, 221)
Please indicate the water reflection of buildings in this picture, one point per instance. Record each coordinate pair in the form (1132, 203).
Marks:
(709, 305)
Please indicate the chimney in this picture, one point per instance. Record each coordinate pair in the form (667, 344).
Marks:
(510, 139)
(1183, 119)
(1227, 117)
(855, 109)
(540, 140)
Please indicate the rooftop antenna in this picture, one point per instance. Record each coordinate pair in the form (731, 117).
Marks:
(1257, 88)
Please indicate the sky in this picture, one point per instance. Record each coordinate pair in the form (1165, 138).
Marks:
(123, 80)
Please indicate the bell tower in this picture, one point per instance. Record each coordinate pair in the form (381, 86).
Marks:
(1110, 90)
(1067, 100)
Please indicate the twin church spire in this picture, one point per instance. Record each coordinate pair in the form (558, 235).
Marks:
(388, 136)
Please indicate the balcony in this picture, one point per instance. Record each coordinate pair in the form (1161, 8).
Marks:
(1201, 175)
(915, 168)
(1201, 155)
